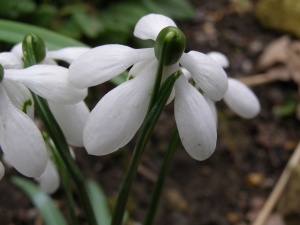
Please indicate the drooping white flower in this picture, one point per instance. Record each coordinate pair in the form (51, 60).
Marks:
(119, 114)
(238, 97)
(20, 139)
(70, 117)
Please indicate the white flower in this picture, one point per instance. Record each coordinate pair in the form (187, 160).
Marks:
(119, 114)
(70, 117)
(20, 139)
(238, 97)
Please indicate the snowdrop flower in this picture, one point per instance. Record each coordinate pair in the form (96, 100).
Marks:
(238, 97)
(20, 139)
(70, 117)
(119, 114)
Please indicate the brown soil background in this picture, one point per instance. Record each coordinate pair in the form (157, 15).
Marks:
(228, 188)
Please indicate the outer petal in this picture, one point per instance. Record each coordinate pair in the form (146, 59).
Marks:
(49, 181)
(219, 58)
(119, 114)
(102, 63)
(68, 54)
(149, 26)
(20, 139)
(2, 170)
(50, 82)
(241, 99)
(195, 122)
(71, 119)
(20, 96)
(10, 61)
(17, 49)
(212, 106)
(207, 73)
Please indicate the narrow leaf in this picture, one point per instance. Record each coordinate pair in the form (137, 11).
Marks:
(14, 32)
(42, 201)
(99, 203)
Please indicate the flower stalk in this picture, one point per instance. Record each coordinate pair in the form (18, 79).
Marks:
(156, 194)
(30, 49)
(142, 139)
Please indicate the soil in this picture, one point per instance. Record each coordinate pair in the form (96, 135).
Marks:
(228, 188)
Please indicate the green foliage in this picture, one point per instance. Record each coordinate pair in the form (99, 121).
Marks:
(99, 203)
(13, 32)
(51, 215)
(287, 109)
(96, 22)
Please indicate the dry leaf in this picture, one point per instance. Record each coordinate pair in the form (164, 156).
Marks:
(275, 52)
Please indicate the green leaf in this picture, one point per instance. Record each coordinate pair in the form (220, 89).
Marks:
(14, 32)
(176, 9)
(288, 108)
(99, 203)
(43, 202)
(89, 25)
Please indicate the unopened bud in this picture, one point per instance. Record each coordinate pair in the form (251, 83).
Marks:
(172, 40)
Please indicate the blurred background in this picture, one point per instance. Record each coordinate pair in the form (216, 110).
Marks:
(260, 39)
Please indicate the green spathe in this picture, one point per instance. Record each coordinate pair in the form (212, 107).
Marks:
(37, 45)
(170, 42)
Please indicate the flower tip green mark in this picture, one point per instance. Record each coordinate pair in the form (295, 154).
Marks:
(35, 45)
(1, 72)
(174, 41)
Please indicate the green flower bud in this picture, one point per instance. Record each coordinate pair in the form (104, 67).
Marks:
(1, 72)
(170, 42)
(34, 44)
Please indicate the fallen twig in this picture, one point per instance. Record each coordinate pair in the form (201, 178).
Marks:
(278, 189)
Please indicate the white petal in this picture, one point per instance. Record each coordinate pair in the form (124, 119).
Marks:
(10, 61)
(208, 74)
(212, 106)
(48, 61)
(195, 122)
(219, 58)
(49, 181)
(2, 170)
(20, 96)
(102, 63)
(149, 26)
(68, 54)
(119, 114)
(186, 73)
(71, 119)
(50, 82)
(17, 49)
(20, 139)
(241, 99)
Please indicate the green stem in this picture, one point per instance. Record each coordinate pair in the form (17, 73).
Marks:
(62, 146)
(66, 182)
(42, 108)
(142, 139)
(159, 74)
(156, 194)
